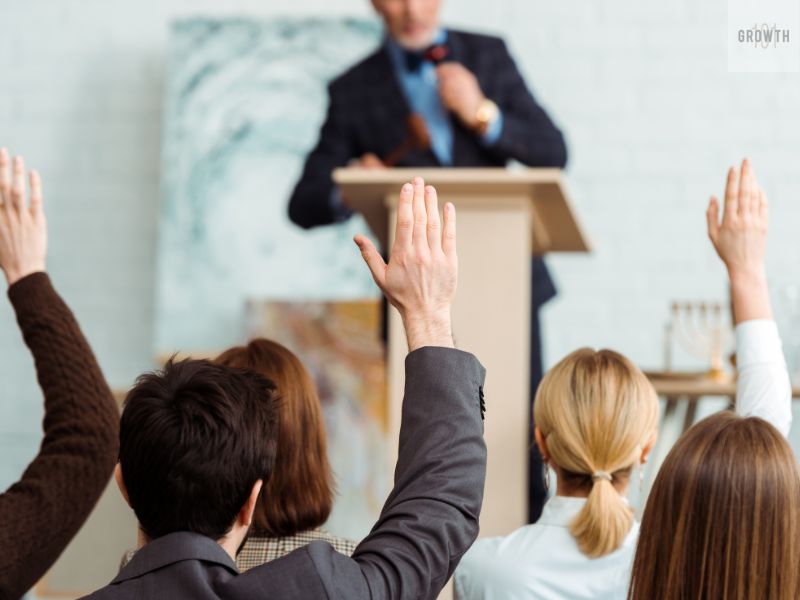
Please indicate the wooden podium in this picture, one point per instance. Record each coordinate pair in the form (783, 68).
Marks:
(503, 217)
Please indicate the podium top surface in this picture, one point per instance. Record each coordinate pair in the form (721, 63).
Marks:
(369, 183)
(447, 175)
(555, 225)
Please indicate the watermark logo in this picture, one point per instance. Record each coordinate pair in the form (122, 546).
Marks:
(764, 36)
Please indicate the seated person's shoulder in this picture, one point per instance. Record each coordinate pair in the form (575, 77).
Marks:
(313, 570)
(505, 552)
(483, 567)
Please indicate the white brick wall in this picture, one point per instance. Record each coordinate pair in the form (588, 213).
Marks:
(640, 88)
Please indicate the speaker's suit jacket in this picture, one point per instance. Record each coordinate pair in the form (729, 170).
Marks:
(367, 112)
(429, 520)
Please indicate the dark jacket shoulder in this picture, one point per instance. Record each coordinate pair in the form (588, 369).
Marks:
(360, 71)
(477, 40)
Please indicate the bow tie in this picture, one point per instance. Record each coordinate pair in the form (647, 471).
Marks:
(434, 54)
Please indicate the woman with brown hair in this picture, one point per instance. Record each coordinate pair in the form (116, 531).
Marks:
(723, 517)
(298, 498)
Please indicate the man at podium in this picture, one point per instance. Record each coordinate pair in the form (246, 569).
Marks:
(432, 97)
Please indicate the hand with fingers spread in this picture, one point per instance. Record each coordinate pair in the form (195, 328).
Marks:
(740, 240)
(23, 230)
(420, 279)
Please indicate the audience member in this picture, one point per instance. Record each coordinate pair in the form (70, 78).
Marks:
(596, 420)
(298, 498)
(41, 513)
(198, 441)
(723, 517)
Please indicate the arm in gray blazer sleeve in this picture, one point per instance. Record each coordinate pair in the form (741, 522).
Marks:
(313, 200)
(431, 516)
(528, 134)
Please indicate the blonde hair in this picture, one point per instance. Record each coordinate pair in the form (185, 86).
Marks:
(596, 412)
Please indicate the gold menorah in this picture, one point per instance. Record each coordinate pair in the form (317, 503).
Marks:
(702, 329)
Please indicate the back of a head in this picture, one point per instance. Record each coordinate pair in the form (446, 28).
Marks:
(299, 496)
(597, 412)
(194, 439)
(723, 517)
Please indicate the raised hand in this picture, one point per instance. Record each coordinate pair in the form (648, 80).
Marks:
(740, 240)
(421, 277)
(23, 229)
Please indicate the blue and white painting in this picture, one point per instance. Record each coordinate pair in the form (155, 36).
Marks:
(244, 103)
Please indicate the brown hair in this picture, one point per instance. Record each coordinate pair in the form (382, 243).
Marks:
(299, 495)
(597, 412)
(723, 517)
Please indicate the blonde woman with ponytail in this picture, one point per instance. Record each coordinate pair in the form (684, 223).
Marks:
(596, 420)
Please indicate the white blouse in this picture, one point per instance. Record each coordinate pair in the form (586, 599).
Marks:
(543, 562)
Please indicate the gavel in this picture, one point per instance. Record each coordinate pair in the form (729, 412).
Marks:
(417, 138)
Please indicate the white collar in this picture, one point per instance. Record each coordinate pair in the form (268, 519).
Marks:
(559, 511)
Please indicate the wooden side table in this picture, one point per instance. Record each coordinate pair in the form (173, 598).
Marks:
(685, 387)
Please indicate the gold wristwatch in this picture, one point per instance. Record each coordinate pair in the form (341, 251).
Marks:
(486, 114)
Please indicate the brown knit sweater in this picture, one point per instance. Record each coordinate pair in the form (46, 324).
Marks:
(42, 512)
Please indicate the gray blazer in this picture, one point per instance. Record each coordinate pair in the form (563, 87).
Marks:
(429, 520)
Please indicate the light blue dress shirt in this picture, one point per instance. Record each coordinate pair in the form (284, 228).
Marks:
(421, 90)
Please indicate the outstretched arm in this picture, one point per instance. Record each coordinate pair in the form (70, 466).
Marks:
(431, 516)
(41, 513)
(763, 389)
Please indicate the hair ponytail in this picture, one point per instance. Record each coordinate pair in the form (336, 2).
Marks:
(604, 521)
(596, 411)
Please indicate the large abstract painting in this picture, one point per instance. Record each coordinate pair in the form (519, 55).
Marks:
(244, 103)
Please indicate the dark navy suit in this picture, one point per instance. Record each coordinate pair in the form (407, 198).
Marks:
(367, 112)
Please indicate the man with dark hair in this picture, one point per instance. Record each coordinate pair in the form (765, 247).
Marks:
(43, 511)
(196, 449)
(433, 97)
(196, 430)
